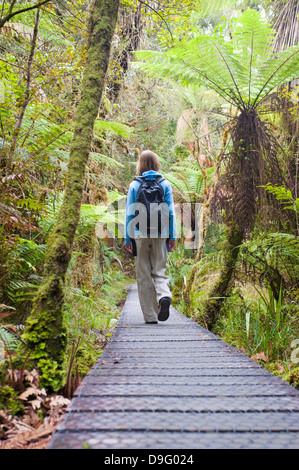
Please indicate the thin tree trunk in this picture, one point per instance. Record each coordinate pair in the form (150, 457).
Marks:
(208, 197)
(131, 25)
(203, 225)
(46, 332)
(26, 96)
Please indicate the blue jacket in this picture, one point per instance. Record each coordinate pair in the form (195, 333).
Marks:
(131, 199)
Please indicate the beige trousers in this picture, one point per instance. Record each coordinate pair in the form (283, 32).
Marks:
(150, 267)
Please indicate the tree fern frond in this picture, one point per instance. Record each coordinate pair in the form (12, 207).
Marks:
(9, 340)
(114, 127)
(210, 8)
(278, 250)
(192, 64)
(242, 70)
(104, 160)
(187, 179)
(252, 38)
(281, 68)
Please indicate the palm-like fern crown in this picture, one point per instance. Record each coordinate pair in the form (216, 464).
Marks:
(242, 70)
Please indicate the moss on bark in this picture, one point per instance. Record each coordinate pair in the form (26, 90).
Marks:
(45, 332)
(219, 292)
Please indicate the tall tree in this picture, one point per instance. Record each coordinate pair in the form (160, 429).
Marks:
(45, 333)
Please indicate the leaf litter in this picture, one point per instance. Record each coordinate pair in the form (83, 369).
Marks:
(35, 428)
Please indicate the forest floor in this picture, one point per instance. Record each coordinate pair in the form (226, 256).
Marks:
(35, 425)
(30, 431)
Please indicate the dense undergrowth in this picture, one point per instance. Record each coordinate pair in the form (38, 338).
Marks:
(263, 327)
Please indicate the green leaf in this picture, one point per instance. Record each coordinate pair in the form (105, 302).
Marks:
(104, 160)
(242, 70)
(115, 127)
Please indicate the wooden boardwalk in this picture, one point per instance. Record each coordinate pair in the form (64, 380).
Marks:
(176, 385)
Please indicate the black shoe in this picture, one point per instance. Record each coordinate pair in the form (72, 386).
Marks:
(164, 305)
(151, 322)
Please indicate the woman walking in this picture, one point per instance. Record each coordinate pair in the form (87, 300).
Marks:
(150, 234)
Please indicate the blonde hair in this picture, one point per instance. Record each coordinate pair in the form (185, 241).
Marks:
(147, 160)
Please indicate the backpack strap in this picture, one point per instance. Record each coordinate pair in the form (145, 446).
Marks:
(159, 179)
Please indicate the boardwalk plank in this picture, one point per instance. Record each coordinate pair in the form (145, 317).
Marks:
(176, 385)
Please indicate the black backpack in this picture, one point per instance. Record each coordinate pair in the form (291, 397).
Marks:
(151, 191)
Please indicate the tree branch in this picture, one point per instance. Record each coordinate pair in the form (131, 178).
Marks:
(11, 14)
(155, 11)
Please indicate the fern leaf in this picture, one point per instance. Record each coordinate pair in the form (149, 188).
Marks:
(114, 127)
(242, 70)
(104, 160)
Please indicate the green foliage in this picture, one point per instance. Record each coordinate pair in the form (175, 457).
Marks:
(180, 262)
(260, 324)
(292, 376)
(105, 160)
(114, 127)
(228, 65)
(287, 199)
(93, 218)
(275, 258)
(8, 339)
(102, 216)
(87, 312)
(37, 335)
(91, 317)
(242, 69)
(23, 274)
(187, 179)
(9, 401)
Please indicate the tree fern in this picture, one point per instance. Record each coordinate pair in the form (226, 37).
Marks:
(242, 70)
(187, 181)
(115, 127)
(274, 256)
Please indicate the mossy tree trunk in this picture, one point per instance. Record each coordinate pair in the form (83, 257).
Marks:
(219, 292)
(45, 333)
(251, 164)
